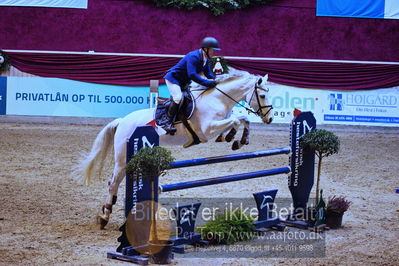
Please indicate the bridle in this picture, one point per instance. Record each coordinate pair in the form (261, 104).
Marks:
(255, 92)
(260, 106)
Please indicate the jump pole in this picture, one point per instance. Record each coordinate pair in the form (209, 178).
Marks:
(229, 158)
(224, 179)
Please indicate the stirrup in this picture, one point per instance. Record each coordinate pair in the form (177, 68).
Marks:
(170, 130)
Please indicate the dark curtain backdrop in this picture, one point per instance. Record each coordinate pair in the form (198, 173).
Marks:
(279, 29)
(138, 70)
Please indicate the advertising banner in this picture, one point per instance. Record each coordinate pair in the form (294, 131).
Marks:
(374, 107)
(62, 97)
(369, 107)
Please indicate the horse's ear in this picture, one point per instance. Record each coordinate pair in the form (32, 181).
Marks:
(259, 81)
(266, 77)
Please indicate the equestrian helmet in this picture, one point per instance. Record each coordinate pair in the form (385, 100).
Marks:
(210, 42)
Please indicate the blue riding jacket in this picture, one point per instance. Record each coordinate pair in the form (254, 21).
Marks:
(188, 68)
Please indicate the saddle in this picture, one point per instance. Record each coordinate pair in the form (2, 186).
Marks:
(186, 107)
(186, 110)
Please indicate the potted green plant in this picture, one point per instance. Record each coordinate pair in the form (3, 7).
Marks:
(324, 143)
(336, 207)
(151, 163)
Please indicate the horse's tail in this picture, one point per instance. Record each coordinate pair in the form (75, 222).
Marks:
(99, 151)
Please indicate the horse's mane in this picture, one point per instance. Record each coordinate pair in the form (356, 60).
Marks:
(232, 75)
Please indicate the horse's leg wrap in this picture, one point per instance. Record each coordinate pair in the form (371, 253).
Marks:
(114, 199)
(230, 136)
(109, 206)
(245, 136)
(106, 209)
(106, 212)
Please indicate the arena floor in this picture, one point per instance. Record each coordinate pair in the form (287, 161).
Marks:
(48, 215)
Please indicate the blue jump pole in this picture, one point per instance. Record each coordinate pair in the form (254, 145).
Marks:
(223, 179)
(228, 158)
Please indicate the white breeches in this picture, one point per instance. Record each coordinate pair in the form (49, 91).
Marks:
(175, 91)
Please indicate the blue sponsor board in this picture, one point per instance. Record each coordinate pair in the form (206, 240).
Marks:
(3, 95)
(358, 8)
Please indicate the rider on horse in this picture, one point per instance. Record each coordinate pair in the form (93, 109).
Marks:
(189, 68)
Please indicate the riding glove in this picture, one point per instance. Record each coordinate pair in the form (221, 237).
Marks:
(213, 84)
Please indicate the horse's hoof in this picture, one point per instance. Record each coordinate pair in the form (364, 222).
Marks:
(220, 138)
(244, 142)
(102, 222)
(235, 146)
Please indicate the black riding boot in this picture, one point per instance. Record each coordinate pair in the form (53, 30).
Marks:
(172, 111)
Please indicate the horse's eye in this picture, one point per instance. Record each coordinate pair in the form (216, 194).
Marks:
(262, 96)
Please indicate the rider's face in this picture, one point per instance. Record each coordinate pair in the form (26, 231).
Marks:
(211, 52)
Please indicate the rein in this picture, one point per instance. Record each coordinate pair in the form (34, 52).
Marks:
(255, 92)
(231, 98)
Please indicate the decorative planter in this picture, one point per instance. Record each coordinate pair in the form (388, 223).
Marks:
(334, 219)
(161, 251)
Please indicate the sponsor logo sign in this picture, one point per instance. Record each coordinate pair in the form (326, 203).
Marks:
(373, 107)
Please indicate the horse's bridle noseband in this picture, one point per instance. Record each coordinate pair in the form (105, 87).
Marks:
(255, 92)
(260, 106)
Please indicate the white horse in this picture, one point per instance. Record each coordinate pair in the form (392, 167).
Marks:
(211, 117)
